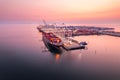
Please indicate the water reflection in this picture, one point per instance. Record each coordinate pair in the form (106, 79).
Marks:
(21, 53)
(58, 53)
(57, 56)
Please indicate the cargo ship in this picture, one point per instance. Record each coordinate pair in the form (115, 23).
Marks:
(52, 42)
(56, 44)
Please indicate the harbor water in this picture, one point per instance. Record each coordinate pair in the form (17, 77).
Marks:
(23, 56)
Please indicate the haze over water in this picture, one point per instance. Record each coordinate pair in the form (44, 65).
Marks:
(23, 56)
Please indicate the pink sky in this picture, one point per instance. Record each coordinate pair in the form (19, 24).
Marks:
(61, 10)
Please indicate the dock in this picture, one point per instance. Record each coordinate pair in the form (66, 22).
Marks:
(111, 33)
(72, 46)
(68, 42)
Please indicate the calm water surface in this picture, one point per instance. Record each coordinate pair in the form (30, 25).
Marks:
(23, 56)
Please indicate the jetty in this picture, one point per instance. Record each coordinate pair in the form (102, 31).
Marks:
(111, 33)
(65, 35)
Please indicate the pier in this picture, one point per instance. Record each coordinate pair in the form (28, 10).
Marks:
(68, 42)
(81, 30)
(65, 33)
(111, 33)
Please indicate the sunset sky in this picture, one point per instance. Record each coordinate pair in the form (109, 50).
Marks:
(79, 11)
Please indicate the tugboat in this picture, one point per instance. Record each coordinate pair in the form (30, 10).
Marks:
(52, 42)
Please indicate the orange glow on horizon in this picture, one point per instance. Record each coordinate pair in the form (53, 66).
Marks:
(64, 10)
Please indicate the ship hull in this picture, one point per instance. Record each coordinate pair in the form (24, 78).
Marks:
(52, 48)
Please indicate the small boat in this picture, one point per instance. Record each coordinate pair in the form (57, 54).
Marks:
(83, 43)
